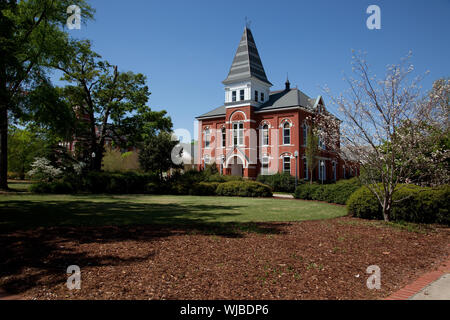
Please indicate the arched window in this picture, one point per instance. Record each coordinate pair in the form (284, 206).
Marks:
(224, 137)
(286, 133)
(287, 164)
(207, 137)
(265, 135)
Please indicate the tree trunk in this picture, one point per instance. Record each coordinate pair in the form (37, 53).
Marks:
(3, 147)
(386, 209)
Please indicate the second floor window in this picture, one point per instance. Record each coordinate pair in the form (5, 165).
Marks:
(224, 137)
(286, 133)
(265, 135)
(256, 95)
(238, 133)
(242, 95)
(233, 96)
(207, 138)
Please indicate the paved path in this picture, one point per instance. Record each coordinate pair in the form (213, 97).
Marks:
(283, 196)
(434, 285)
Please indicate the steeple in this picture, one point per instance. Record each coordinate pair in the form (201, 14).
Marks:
(287, 83)
(246, 63)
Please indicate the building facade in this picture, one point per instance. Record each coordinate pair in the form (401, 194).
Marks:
(259, 131)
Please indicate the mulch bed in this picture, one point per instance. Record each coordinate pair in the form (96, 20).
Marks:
(303, 260)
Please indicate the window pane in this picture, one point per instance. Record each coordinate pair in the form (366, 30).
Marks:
(233, 98)
(241, 133)
(287, 164)
(224, 137)
(242, 95)
(256, 95)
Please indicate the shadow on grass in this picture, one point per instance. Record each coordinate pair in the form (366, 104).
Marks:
(33, 233)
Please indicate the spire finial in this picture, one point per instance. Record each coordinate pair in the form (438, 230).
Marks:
(247, 23)
(287, 83)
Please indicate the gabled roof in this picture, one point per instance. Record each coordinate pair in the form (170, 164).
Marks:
(246, 63)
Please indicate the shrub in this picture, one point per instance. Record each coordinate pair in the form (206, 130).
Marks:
(204, 188)
(411, 204)
(281, 182)
(55, 187)
(363, 204)
(244, 189)
(337, 192)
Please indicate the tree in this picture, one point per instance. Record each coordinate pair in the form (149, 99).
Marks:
(380, 128)
(109, 103)
(156, 156)
(312, 151)
(23, 147)
(31, 33)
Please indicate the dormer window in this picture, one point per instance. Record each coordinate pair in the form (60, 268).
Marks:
(242, 96)
(256, 95)
(233, 96)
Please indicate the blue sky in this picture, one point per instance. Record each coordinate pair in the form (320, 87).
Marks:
(185, 48)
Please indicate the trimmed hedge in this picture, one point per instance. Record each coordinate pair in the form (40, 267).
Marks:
(415, 204)
(337, 192)
(279, 182)
(244, 189)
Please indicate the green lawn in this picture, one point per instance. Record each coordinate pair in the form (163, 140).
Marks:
(31, 211)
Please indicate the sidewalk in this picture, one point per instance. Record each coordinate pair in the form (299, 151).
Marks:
(434, 285)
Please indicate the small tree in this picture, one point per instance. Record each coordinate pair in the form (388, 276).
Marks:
(312, 151)
(156, 155)
(382, 130)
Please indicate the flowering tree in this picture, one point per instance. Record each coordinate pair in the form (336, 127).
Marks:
(43, 170)
(383, 127)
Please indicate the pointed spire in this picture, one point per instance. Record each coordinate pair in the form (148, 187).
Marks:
(287, 83)
(246, 63)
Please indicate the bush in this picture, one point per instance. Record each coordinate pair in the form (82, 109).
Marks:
(280, 182)
(411, 204)
(337, 192)
(204, 188)
(244, 189)
(55, 187)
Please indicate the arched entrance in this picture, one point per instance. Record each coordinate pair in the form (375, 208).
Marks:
(236, 165)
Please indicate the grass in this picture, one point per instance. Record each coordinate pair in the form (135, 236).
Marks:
(31, 211)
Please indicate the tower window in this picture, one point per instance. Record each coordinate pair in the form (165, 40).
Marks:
(262, 96)
(233, 96)
(256, 95)
(242, 96)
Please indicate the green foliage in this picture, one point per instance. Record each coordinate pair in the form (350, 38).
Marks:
(204, 188)
(411, 204)
(279, 182)
(312, 150)
(156, 156)
(55, 187)
(337, 192)
(244, 189)
(114, 160)
(23, 147)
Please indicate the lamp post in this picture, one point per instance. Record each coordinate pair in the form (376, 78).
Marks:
(296, 176)
(322, 164)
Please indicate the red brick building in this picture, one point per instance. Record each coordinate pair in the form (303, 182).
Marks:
(258, 131)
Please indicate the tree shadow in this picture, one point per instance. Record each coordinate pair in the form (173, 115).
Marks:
(33, 234)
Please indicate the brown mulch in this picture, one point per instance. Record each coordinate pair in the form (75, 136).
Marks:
(303, 260)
